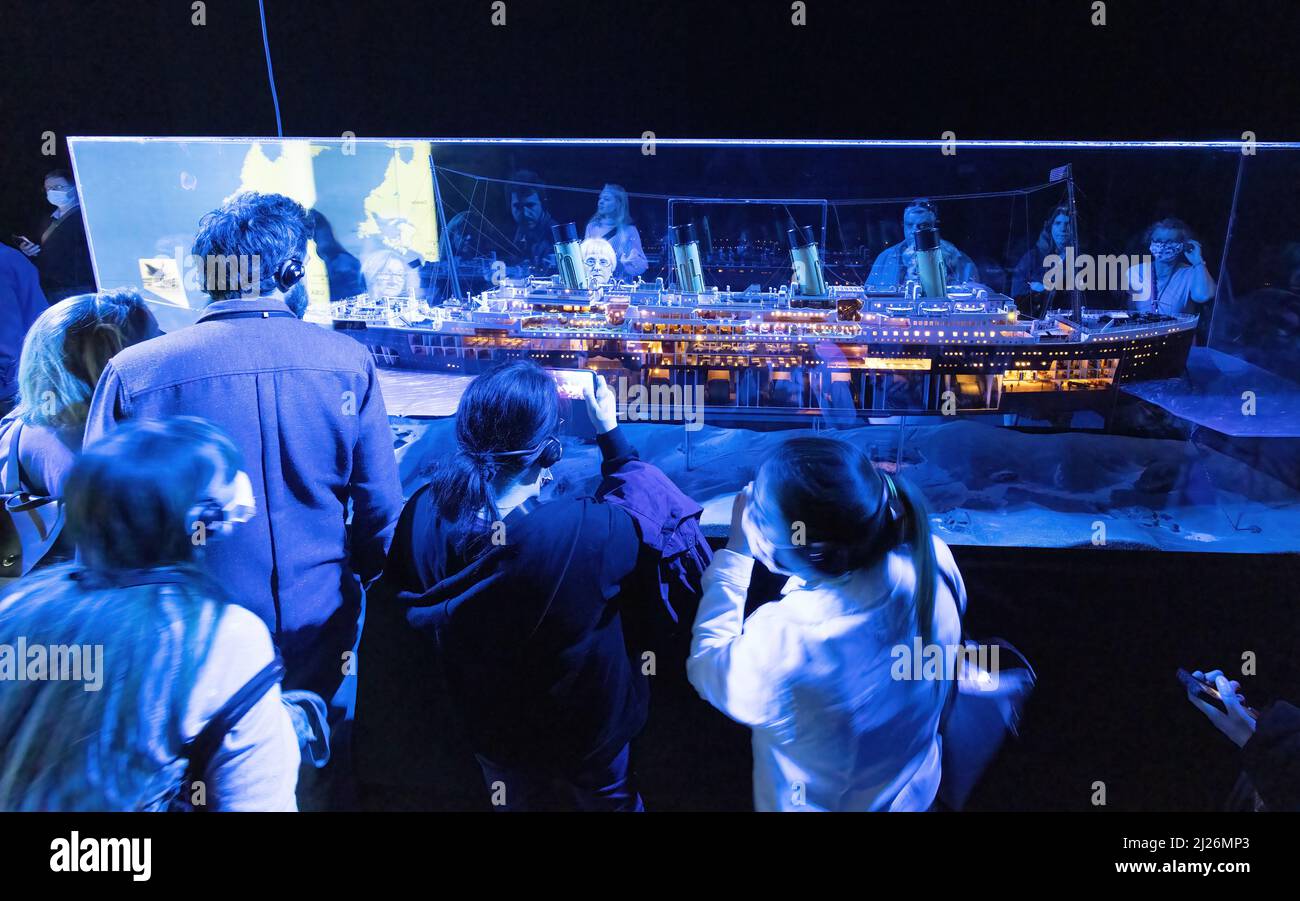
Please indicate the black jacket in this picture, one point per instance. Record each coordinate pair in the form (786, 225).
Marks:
(519, 654)
(64, 260)
(1271, 759)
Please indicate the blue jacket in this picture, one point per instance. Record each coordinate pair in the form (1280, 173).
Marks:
(21, 301)
(304, 406)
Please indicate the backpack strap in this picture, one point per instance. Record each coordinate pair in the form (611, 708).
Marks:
(17, 498)
(12, 483)
(203, 747)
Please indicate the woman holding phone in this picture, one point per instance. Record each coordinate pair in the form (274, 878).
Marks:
(517, 608)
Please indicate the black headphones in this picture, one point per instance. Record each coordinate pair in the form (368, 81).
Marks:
(550, 452)
(289, 273)
(545, 455)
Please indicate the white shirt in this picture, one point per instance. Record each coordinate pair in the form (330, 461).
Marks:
(811, 675)
(1169, 296)
(256, 767)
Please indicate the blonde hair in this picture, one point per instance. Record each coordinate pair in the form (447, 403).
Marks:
(622, 215)
(68, 347)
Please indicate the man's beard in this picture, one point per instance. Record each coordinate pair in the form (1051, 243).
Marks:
(296, 300)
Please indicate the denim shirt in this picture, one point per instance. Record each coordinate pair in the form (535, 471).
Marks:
(303, 404)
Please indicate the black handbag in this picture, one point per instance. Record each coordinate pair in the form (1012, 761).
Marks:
(30, 523)
(979, 713)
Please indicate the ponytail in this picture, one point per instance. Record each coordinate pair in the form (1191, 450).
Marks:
(914, 531)
(461, 488)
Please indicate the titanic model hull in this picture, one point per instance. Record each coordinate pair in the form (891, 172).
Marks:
(779, 356)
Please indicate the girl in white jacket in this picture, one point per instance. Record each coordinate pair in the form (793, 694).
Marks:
(841, 721)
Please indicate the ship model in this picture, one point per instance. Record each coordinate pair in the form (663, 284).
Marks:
(806, 349)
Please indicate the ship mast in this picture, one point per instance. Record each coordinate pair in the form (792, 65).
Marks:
(1076, 303)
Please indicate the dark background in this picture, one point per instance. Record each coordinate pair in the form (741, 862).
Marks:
(1203, 69)
(1106, 628)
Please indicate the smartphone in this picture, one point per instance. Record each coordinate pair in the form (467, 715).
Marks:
(1208, 693)
(571, 382)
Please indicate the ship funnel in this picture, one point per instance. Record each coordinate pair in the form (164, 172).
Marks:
(568, 255)
(930, 266)
(686, 259)
(806, 261)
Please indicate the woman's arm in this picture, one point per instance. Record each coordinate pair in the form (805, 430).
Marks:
(633, 261)
(616, 451)
(733, 669)
(1202, 282)
(1027, 274)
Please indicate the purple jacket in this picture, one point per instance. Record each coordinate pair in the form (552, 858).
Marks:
(667, 522)
(304, 406)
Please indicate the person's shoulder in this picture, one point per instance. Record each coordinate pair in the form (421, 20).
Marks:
(44, 439)
(241, 645)
(942, 553)
(546, 516)
(317, 344)
(311, 341)
(14, 260)
(145, 357)
(564, 515)
(945, 561)
(345, 346)
(240, 649)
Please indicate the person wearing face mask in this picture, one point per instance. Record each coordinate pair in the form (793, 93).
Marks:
(60, 253)
(1055, 239)
(613, 223)
(896, 266)
(304, 406)
(1175, 274)
(601, 260)
(813, 673)
(164, 653)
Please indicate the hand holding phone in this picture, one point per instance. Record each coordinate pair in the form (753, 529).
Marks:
(1218, 699)
(602, 406)
(573, 384)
